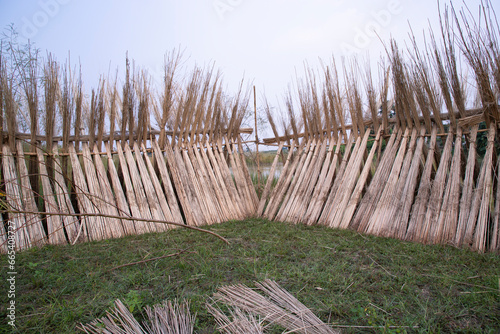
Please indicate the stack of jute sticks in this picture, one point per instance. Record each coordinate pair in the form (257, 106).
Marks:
(89, 185)
(390, 162)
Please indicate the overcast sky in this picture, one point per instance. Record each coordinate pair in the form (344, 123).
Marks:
(267, 41)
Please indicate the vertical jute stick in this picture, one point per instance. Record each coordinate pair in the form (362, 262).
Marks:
(481, 233)
(55, 229)
(14, 196)
(419, 208)
(360, 185)
(124, 208)
(467, 189)
(33, 220)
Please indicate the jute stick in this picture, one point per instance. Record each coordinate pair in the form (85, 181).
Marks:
(360, 185)
(33, 221)
(419, 209)
(108, 199)
(317, 197)
(467, 189)
(55, 229)
(267, 188)
(481, 232)
(121, 200)
(13, 196)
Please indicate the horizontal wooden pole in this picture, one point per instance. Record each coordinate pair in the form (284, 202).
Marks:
(116, 136)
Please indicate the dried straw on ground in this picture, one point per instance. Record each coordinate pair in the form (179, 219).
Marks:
(165, 318)
(276, 306)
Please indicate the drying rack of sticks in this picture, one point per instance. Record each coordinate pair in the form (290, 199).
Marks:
(381, 159)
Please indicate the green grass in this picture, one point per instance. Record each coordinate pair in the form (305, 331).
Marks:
(344, 277)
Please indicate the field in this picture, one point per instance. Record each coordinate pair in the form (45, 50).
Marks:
(355, 282)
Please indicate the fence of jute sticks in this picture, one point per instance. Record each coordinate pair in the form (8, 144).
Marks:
(391, 164)
(91, 185)
(403, 168)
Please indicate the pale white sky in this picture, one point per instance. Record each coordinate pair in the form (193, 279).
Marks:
(267, 41)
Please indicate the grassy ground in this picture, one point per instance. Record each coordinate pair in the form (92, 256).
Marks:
(345, 278)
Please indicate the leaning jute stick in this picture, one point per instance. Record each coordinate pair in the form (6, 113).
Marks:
(108, 199)
(55, 229)
(267, 188)
(302, 183)
(327, 183)
(481, 231)
(90, 215)
(140, 194)
(225, 206)
(360, 185)
(34, 222)
(71, 224)
(403, 213)
(283, 182)
(436, 195)
(145, 183)
(417, 218)
(167, 183)
(90, 227)
(13, 196)
(446, 227)
(203, 198)
(217, 169)
(218, 161)
(495, 233)
(348, 184)
(160, 193)
(367, 204)
(376, 222)
(311, 181)
(467, 189)
(205, 193)
(184, 199)
(391, 207)
(324, 217)
(4, 249)
(121, 201)
(140, 227)
(95, 191)
(476, 204)
(192, 189)
(350, 174)
(291, 190)
(210, 184)
(315, 196)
